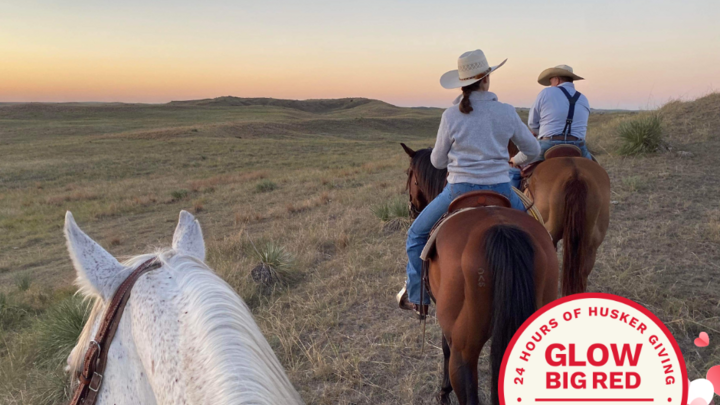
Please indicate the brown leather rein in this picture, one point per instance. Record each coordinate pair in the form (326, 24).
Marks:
(91, 377)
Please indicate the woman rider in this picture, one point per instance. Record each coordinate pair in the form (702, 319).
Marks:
(472, 143)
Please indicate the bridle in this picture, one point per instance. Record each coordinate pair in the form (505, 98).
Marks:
(414, 211)
(91, 376)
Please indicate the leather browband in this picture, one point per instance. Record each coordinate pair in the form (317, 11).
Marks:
(91, 376)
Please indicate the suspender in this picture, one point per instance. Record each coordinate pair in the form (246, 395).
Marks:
(571, 112)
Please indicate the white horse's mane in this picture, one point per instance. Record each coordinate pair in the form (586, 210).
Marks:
(237, 358)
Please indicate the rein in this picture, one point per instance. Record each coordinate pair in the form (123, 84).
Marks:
(91, 377)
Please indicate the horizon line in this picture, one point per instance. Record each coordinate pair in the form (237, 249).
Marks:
(270, 98)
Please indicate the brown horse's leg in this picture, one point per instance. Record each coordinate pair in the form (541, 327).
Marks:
(464, 375)
(444, 395)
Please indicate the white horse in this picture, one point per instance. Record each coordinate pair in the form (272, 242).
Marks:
(185, 337)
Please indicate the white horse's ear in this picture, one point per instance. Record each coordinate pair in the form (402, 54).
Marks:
(188, 238)
(97, 270)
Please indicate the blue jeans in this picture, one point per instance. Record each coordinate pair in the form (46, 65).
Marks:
(546, 144)
(419, 231)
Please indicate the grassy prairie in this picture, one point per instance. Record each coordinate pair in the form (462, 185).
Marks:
(310, 179)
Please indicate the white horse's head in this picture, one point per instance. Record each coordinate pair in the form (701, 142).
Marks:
(185, 337)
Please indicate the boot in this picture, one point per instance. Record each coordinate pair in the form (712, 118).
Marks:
(402, 299)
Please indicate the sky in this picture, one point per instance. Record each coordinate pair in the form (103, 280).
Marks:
(634, 54)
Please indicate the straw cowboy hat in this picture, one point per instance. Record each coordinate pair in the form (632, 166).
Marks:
(472, 67)
(559, 70)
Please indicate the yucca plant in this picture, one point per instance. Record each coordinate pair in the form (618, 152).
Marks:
(275, 267)
(641, 135)
(59, 328)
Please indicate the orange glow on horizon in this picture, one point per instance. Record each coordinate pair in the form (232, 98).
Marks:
(56, 53)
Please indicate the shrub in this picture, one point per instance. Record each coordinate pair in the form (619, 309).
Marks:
(640, 135)
(179, 194)
(265, 186)
(394, 208)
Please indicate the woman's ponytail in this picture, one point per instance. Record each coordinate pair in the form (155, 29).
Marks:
(465, 105)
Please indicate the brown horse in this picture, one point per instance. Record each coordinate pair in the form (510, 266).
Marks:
(573, 196)
(490, 270)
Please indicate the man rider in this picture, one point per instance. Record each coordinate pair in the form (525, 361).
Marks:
(559, 114)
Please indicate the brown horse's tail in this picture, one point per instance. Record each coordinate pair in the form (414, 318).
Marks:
(510, 261)
(574, 224)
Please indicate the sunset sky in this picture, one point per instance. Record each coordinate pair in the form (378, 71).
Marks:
(633, 53)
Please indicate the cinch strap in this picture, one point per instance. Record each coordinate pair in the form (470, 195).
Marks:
(571, 112)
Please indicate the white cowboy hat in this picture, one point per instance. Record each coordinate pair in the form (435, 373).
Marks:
(472, 67)
(559, 70)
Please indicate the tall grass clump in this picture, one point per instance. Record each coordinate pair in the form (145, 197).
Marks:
(23, 281)
(38, 356)
(640, 135)
(394, 208)
(265, 186)
(275, 268)
(59, 328)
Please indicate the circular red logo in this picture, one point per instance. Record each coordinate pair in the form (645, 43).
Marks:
(593, 348)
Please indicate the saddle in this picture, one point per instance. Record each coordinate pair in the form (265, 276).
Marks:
(465, 202)
(554, 152)
(480, 198)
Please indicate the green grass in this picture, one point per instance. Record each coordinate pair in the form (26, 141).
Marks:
(641, 134)
(394, 208)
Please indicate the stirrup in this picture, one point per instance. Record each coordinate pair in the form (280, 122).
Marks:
(421, 311)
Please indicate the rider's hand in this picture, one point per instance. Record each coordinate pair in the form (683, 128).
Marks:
(512, 162)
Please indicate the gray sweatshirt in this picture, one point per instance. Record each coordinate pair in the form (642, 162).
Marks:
(474, 147)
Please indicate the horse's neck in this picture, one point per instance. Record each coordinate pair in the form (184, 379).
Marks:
(147, 359)
(126, 380)
(198, 342)
(156, 332)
